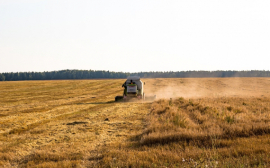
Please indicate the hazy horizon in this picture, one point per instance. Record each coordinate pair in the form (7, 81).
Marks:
(134, 36)
(136, 72)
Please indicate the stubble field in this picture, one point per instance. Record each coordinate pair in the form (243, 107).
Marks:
(204, 122)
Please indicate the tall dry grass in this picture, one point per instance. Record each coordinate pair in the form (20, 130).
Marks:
(205, 132)
(199, 121)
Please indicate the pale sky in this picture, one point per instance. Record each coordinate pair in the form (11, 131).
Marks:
(134, 36)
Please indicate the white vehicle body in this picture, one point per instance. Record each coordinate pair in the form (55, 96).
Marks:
(139, 84)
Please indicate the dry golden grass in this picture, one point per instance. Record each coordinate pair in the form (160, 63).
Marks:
(208, 122)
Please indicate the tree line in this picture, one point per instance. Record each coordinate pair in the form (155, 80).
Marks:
(92, 74)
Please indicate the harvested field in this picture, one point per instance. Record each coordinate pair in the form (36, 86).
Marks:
(204, 122)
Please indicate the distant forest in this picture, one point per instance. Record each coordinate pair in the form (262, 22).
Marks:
(92, 74)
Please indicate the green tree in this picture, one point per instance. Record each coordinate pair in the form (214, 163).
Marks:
(2, 77)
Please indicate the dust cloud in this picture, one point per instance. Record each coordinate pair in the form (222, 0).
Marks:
(206, 87)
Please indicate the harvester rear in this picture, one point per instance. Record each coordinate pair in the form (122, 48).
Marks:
(133, 90)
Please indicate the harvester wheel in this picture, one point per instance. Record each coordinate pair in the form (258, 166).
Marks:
(117, 98)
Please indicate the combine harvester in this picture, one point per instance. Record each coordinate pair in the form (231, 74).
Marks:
(134, 90)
